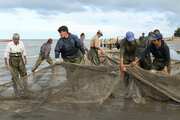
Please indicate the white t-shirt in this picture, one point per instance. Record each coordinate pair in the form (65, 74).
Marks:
(12, 48)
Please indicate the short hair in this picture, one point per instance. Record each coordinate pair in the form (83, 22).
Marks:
(156, 30)
(82, 34)
(49, 40)
(143, 33)
(63, 28)
(16, 36)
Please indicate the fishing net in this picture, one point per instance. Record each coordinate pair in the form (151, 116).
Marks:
(85, 84)
(65, 82)
(139, 84)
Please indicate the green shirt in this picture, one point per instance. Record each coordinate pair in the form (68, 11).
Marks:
(129, 51)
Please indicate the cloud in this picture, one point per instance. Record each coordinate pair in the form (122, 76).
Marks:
(113, 24)
(114, 17)
(48, 7)
(79, 5)
(42, 5)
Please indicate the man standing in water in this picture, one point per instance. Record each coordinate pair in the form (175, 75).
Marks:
(82, 37)
(15, 50)
(44, 54)
(93, 53)
(68, 45)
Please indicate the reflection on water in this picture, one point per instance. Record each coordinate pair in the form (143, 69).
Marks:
(112, 109)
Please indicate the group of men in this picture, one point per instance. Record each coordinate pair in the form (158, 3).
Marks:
(133, 51)
(72, 49)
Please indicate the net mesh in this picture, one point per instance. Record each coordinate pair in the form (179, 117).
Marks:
(87, 84)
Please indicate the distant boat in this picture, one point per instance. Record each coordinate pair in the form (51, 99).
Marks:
(5, 40)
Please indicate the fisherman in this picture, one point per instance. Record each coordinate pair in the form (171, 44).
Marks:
(146, 62)
(15, 50)
(117, 44)
(129, 50)
(160, 51)
(44, 54)
(142, 37)
(82, 38)
(94, 47)
(68, 45)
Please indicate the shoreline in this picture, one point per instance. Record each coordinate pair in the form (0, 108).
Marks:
(175, 40)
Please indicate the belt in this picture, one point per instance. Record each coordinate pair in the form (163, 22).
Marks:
(15, 54)
(93, 48)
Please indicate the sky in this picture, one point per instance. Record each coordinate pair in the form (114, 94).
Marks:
(40, 19)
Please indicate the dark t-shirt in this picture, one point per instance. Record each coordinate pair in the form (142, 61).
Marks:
(160, 53)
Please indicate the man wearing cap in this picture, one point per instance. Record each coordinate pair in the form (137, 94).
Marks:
(68, 45)
(129, 49)
(94, 47)
(15, 50)
(44, 54)
(161, 54)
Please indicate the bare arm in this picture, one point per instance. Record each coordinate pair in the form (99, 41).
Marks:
(6, 63)
(121, 61)
(85, 47)
(25, 60)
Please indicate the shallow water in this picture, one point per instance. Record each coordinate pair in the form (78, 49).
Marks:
(111, 109)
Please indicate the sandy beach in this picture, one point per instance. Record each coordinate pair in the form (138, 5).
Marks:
(172, 41)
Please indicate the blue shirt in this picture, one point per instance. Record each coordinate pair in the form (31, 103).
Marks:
(69, 47)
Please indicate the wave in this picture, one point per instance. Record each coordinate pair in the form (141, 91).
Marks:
(174, 55)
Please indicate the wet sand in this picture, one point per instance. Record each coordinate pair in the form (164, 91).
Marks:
(112, 109)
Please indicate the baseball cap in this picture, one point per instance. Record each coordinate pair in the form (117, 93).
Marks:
(130, 36)
(152, 37)
(159, 36)
(99, 32)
